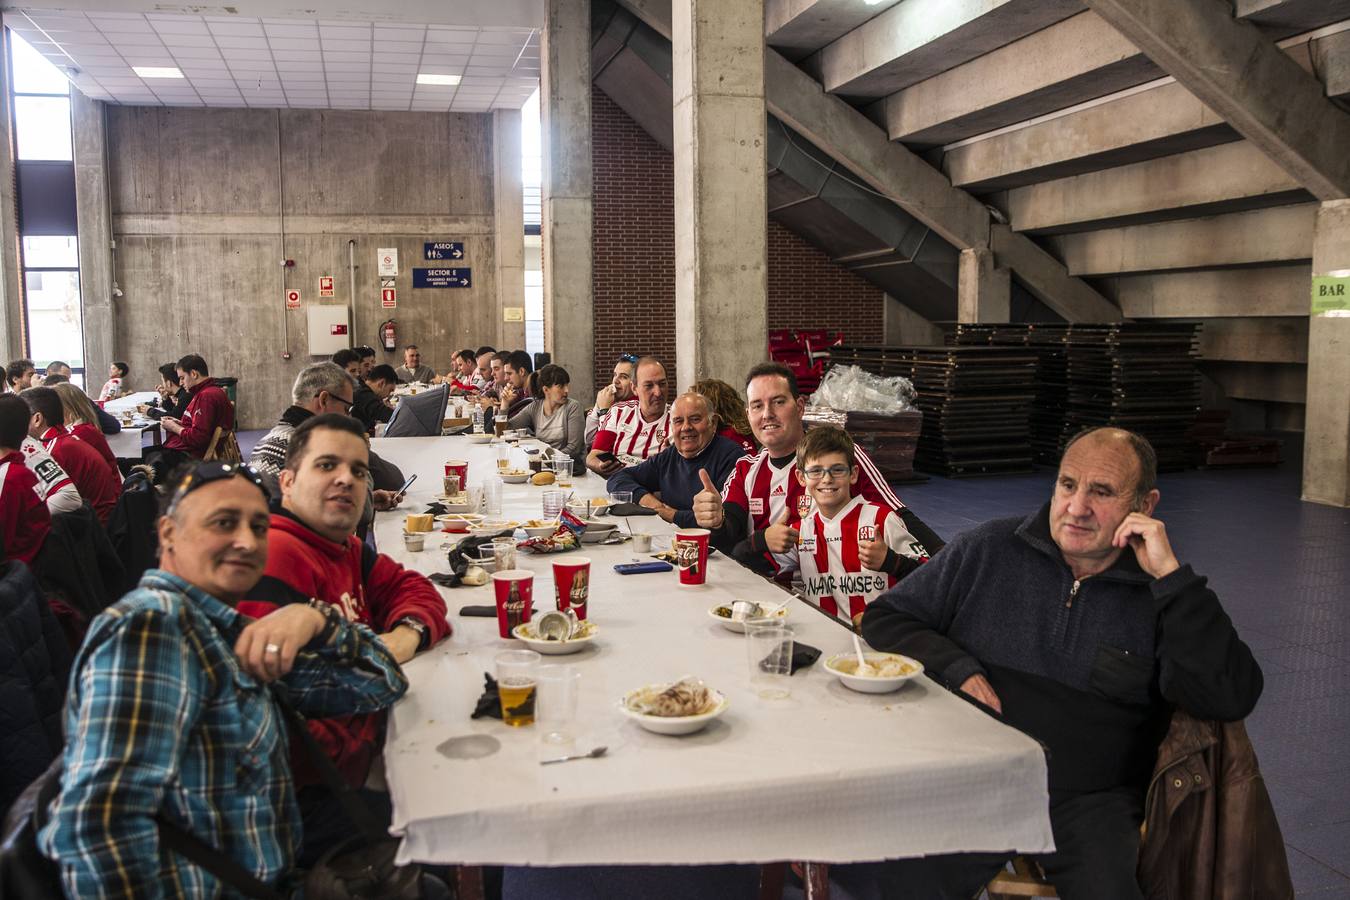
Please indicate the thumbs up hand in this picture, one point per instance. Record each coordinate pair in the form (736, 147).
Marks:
(780, 537)
(872, 554)
(708, 511)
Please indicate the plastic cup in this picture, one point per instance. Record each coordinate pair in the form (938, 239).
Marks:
(562, 471)
(504, 553)
(556, 703)
(553, 503)
(458, 467)
(617, 497)
(572, 584)
(503, 457)
(642, 542)
(514, 591)
(691, 554)
(517, 679)
(769, 654)
(414, 541)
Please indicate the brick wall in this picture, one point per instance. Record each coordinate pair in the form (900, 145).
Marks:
(634, 256)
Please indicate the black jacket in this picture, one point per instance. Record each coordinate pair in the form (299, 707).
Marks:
(78, 565)
(131, 529)
(34, 665)
(1090, 668)
(369, 408)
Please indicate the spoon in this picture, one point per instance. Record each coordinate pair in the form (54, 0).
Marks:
(864, 667)
(594, 754)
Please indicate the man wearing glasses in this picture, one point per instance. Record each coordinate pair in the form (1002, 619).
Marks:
(619, 389)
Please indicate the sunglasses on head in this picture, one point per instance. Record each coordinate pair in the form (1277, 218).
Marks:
(628, 358)
(215, 470)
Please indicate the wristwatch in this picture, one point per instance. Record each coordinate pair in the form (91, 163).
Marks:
(418, 626)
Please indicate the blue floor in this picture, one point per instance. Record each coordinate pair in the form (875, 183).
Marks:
(1282, 569)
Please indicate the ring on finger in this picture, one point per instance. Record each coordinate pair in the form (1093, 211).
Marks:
(272, 648)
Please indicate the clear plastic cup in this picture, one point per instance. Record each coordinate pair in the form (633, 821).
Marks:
(769, 654)
(553, 501)
(517, 682)
(558, 689)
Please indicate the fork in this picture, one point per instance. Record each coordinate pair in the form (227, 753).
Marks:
(594, 754)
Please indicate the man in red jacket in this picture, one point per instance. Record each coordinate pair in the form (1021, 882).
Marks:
(24, 519)
(95, 481)
(208, 408)
(313, 552)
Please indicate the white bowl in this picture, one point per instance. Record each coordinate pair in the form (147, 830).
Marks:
(739, 627)
(674, 724)
(597, 531)
(542, 530)
(516, 479)
(552, 648)
(868, 685)
(451, 506)
(485, 528)
(480, 438)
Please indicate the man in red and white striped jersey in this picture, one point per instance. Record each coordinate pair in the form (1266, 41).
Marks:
(849, 550)
(634, 429)
(755, 516)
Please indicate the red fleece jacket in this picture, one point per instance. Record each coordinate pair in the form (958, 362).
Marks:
(367, 587)
(208, 408)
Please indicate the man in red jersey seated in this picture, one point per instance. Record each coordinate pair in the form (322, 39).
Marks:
(633, 429)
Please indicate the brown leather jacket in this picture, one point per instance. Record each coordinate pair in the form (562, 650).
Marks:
(1209, 827)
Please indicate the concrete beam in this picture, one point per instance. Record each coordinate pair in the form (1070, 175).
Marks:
(1049, 280)
(1280, 234)
(1271, 291)
(94, 221)
(920, 38)
(1219, 179)
(798, 27)
(11, 297)
(508, 217)
(1235, 70)
(984, 291)
(1271, 339)
(371, 223)
(565, 120)
(1330, 58)
(1290, 16)
(721, 223)
(1068, 63)
(1326, 448)
(1139, 125)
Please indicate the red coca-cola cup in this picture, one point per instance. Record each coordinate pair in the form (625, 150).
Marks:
(515, 598)
(458, 467)
(572, 584)
(691, 554)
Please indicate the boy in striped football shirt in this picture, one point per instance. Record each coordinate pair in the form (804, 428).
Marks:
(849, 549)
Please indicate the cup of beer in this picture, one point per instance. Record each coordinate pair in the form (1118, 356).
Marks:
(517, 674)
(572, 584)
(458, 467)
(515, 598)
(691, 554)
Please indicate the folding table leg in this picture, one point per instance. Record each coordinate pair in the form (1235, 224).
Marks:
(817, 878)
(469, 882)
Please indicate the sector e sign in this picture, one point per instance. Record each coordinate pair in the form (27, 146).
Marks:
(442, 278)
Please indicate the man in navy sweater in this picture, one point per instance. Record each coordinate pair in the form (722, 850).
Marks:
(1078, 626)
(668, 481)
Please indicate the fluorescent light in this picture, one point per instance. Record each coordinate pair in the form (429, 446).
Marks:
(158, 71)
(429, 78)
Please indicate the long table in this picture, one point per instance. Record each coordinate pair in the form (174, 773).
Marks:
(828, 774)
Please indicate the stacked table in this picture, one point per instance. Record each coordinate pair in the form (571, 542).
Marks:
(826, 775)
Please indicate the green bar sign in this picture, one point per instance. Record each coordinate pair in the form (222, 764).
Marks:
(1330, 294)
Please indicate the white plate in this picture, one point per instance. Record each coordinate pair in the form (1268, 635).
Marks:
(739, 627)
(553, 648)
(485, 528)
(451, 506)
(672, 724)
(597, 531)
(866, 685)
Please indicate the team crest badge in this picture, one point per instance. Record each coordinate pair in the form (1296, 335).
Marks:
(867, 533)
(803, 506)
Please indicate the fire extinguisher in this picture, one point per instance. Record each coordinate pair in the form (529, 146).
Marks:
(389, 335)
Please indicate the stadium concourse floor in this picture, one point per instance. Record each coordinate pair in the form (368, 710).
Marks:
(1282, 569)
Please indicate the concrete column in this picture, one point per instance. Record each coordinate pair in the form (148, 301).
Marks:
(508, 217)
(1326, 448)
(565, 113)
(94, 222)
(983, 290)
(720, 211)
(11, 298)
(902, 326)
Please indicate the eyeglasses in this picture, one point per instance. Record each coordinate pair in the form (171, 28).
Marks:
(815, 473)
(346, 404)
(215, 470)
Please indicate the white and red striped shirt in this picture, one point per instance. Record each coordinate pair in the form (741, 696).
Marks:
(765, 491)
(628, 436)
(827, 554)
(54, 486)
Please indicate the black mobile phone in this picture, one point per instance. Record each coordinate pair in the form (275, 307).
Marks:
(606, 456)
(642, 567)
(404, 489)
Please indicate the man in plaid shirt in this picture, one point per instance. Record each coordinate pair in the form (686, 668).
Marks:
(170, 716)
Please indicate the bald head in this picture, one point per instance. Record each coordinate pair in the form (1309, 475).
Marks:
(1119, 440)
(650, 387)
(693, 424)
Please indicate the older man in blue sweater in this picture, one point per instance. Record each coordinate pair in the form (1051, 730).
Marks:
(668, 481)
(1079, 626)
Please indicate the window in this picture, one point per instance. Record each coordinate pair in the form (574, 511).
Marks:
(49, 254)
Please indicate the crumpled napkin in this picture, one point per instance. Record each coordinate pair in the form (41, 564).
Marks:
(489, 705)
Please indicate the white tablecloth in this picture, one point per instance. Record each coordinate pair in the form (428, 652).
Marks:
(128, 443)
(827, 775)
(130, 402)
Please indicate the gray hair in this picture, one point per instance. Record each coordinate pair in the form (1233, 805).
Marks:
(1143, 452)
(321, 376)
(708, 409)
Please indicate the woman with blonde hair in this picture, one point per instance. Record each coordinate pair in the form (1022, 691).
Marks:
(82, 421)
(730, 408)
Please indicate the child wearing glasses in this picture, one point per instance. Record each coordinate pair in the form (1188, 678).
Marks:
(849, 550)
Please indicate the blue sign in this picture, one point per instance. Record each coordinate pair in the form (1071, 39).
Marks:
(443, 249)
(442, 278)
